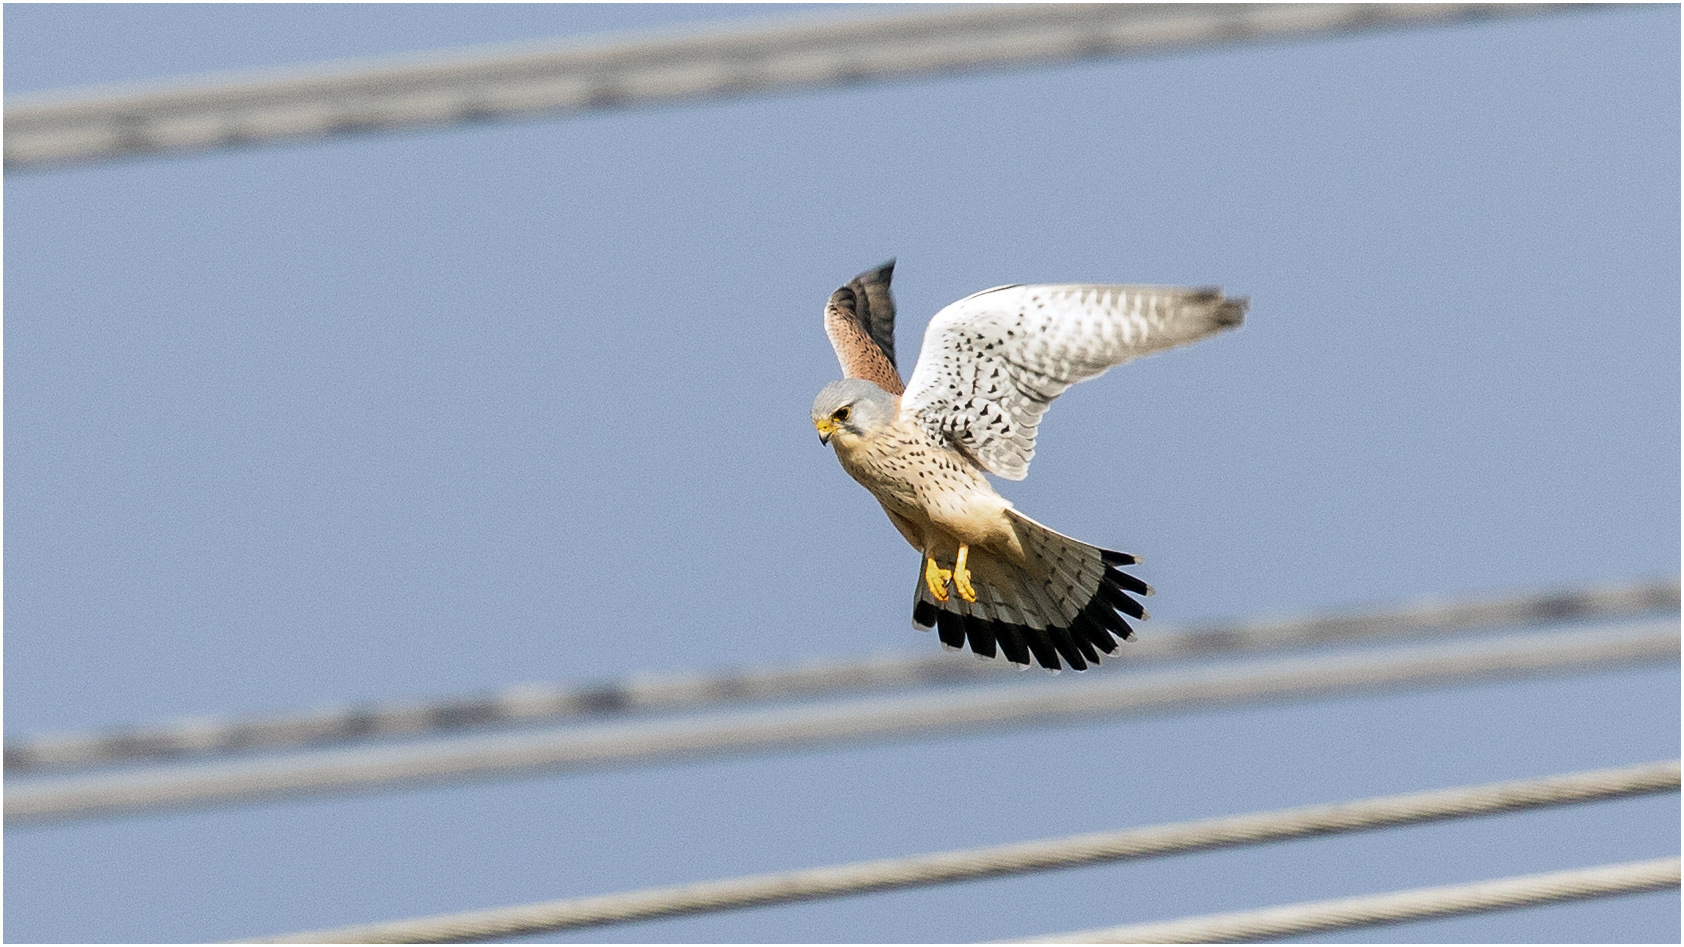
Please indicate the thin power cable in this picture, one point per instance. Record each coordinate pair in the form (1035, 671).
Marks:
(1022, 858)
(782, 728)
(498, 83)
(539, 703)
(1420, 904)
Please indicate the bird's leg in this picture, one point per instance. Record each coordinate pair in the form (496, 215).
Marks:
(936, 578)
(962, 576)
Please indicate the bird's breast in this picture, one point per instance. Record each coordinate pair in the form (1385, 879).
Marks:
(925, 481)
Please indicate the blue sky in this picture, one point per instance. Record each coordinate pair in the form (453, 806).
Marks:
(438, 412)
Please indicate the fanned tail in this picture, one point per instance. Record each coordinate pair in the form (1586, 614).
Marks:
(1068, 600)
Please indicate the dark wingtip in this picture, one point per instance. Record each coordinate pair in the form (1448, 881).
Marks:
(883, 273)
(1042, 648)
(1126, 582)
(1113, 558)
(844, 299)
(1088, 628)
(1232, 311)
(1090, 654)
(872, 306)
(951, 629)
(923, 615)
(1010, 639)
(1117, 599)
(1065, 644)
(980, 633)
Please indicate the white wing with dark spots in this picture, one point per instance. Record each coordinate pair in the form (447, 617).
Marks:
(993, 361)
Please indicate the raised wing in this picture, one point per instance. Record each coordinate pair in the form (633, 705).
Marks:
(992, 362)
(860, 320)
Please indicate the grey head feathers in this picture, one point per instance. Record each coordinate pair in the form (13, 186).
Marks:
(868, 405)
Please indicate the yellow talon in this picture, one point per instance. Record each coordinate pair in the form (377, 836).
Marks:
(936, 578)
(962, 576)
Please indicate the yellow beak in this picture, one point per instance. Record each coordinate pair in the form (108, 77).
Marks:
(826, 427)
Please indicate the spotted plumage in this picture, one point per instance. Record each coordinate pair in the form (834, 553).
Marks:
(991, 364)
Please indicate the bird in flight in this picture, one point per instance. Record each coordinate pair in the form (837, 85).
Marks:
(991, 364)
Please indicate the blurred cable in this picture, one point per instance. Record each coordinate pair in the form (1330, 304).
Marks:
(1045, 855)
(476, 86)
(553, 703)
(1421, 904)
(1576, 650)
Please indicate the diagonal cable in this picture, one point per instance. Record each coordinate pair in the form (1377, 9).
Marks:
(1420, 904)
(538, 703)
(998, 861)
(1575, 651)
(492, 84)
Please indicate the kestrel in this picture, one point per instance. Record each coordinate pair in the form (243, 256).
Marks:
(991, 364)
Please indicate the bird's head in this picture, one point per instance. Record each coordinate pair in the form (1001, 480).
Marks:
(849, 409)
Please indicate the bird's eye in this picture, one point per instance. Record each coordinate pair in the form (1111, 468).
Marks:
(842, 414)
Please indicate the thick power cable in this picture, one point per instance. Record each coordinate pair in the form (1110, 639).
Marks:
(477, 86)
(782, 728)
(1420, 904)
(1075, 851)
(557, 703)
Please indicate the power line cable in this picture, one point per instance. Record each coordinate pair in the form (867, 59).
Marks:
(528, 704)
(1420, 904)
(491, 84)
(781, 728)
(1022, 858)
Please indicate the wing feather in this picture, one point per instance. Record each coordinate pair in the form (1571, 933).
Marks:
(993, 361)
(860, 320)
